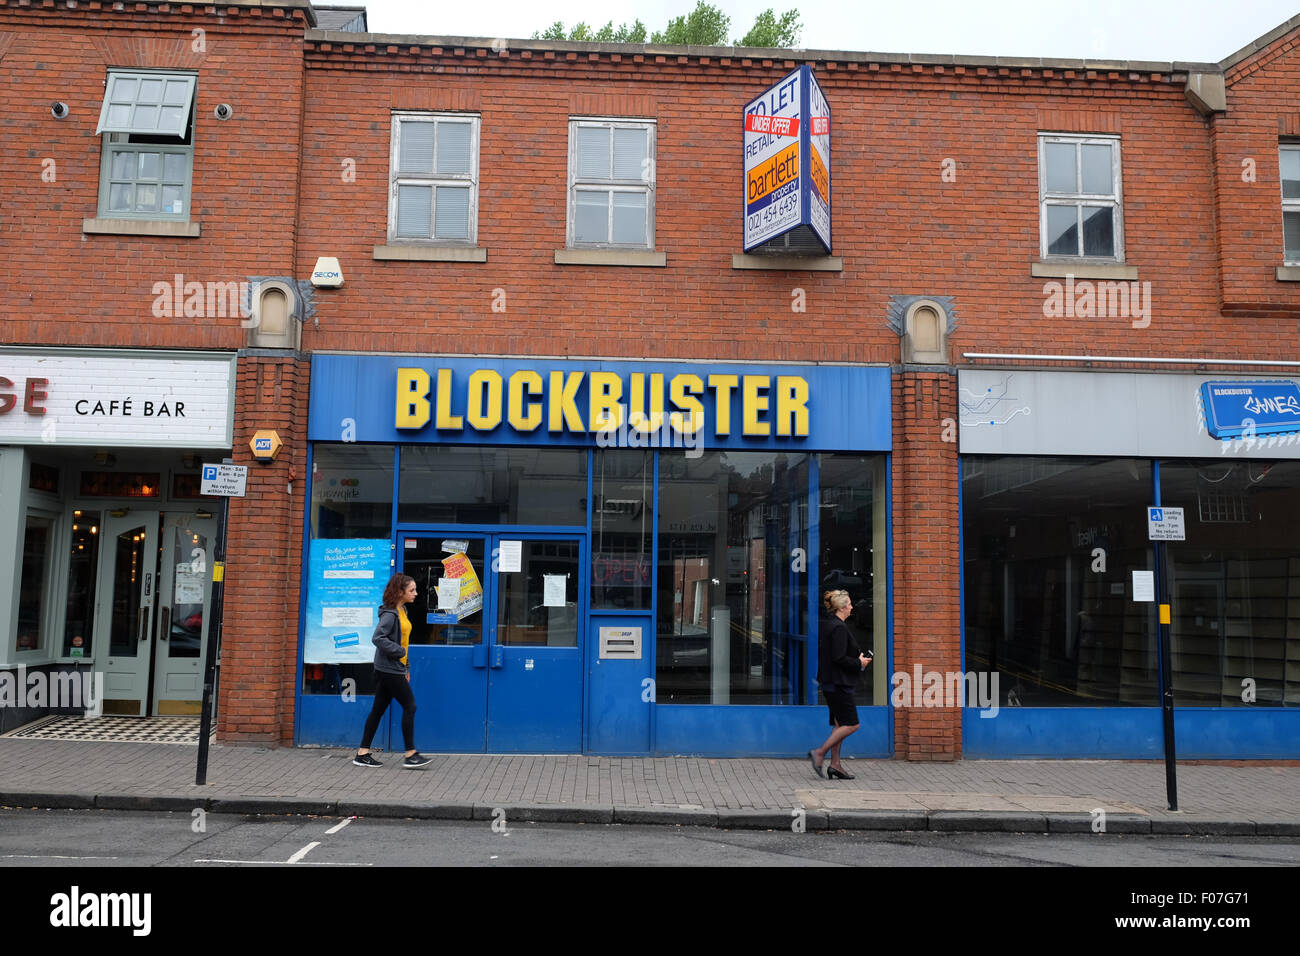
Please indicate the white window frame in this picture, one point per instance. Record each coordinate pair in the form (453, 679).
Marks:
(1078, 199)
(116, 142)
(641, 185)
(434, 179)
(1288, 205)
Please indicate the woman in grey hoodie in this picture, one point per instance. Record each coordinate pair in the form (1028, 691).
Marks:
(391, 639)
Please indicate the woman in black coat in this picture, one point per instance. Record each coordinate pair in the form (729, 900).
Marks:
(840, 662)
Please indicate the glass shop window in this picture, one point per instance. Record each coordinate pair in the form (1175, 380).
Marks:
(622, 529)
(352, 491)
(477, 484)
(83, 560)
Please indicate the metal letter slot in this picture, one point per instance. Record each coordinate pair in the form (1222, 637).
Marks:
(620, 643)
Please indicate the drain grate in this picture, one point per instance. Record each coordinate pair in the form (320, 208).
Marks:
(147, 730)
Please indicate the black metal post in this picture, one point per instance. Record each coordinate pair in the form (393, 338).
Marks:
(214, 641)
(1166, 681)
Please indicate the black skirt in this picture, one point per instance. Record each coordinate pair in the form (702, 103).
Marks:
(839, 699)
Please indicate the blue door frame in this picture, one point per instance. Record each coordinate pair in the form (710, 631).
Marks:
(496, 696)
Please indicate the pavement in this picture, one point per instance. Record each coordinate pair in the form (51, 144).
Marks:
(1026, 796)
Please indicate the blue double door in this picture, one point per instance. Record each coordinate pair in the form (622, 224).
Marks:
(496, 654)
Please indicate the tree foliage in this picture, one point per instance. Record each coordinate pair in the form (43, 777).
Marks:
(770, 31)
(706, 25)
(623, 33)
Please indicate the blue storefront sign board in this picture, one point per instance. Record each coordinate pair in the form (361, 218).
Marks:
(431, 400)
(1245, 409)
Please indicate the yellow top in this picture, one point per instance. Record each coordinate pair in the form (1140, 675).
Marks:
(406, 630)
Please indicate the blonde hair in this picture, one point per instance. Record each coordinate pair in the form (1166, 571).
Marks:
(835, 600)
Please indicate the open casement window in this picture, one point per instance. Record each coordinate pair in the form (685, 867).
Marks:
(1289, 159)
(147, 122)
(433, 178)
(1079, 198)
(611, 184)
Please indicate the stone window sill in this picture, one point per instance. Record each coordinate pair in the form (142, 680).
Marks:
(431, 253)
(140, 227)
(789, 263)
(1288, 273)
(1082, 270)
(610, 257)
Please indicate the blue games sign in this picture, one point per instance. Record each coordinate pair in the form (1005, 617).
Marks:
(1250, 409)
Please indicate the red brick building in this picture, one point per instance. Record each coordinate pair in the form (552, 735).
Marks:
(1059, 292)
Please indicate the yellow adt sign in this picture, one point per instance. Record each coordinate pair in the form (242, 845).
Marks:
(265, 444)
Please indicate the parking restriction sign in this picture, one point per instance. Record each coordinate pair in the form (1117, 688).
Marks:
(225, 481)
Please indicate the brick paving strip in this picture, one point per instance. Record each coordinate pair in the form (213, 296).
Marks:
(972, 795)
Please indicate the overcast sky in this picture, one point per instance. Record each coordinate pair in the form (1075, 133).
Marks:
(1192, 30)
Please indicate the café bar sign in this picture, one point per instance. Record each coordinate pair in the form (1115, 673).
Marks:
(114, 397)
(787, 162)
(598, 402)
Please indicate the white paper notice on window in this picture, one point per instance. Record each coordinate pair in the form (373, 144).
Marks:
(510, 556)
(1144, 585)
(553, 590)
(448, 593)
(346, 617)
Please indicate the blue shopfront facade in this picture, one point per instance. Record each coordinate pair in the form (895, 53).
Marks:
(1063, 586)
(611, 557)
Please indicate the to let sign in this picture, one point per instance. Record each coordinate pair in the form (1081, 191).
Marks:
(1165, 524)
(224, 481)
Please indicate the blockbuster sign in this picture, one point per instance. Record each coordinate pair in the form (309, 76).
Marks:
(788, 161)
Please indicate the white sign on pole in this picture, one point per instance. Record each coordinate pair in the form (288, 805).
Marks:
(1165, 524)
(225, 481)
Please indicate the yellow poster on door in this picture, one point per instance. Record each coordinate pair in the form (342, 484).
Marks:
(457, 565)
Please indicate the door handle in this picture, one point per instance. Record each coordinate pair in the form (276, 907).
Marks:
(142, 623)
(166, 624)
(498, 656)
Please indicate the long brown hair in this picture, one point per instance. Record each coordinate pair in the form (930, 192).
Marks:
(397, 585)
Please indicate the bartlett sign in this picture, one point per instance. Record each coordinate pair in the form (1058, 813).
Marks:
(788, 162)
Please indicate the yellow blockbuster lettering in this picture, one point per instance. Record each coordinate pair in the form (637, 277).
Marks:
(412, 398)
(682, 389)
(525, 382)
(445, 418)
(791, 406)
(606, 394)
(723, 385)
(563, 402)
(640, 417)
(484, 411)
(754, 404)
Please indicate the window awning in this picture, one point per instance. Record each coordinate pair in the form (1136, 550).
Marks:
(155, 104)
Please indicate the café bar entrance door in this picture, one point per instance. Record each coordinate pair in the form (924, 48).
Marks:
(496, 657)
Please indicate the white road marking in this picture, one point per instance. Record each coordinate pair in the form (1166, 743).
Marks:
(303, 852)
(32, 856)
(337, 828)
(283, 863)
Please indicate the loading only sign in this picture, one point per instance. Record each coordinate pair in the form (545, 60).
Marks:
(1165, 524)
(224, 481)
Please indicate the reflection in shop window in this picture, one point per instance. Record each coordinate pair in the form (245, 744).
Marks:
(457, 484)
(731, 605)
(621, 529)
(852, 544)
(37, 539)
(83, 560)
(1234, 583)
(352, 491)
(1049, 547)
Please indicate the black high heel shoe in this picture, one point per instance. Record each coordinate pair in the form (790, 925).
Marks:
(834, 774)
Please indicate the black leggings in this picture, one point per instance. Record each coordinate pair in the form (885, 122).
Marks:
(391, 686)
